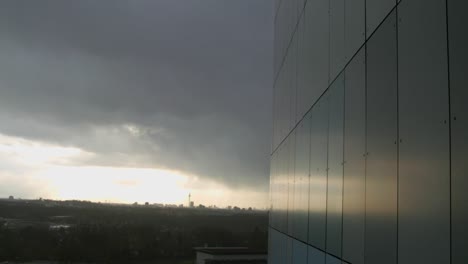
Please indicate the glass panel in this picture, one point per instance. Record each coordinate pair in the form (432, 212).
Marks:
(318, 173)
(279, 108)
(275, 194)
(382, 129)
(291, 173)
(300, 6)
(424, 197)
(299, 253)
(337, 37)
(332, 260)
(315, 256)
(285, 97)
(335, 167)
(276, 57)
(286, 248)
(458, 41)
(292, 81)
(301, 96)
(313, 55)
(271, 246)
(272, 190)
(376, 10)
(289, 250)
(354, 165)
(283, 188)
(301, 186)
(275, 247)
(354, 26)
(275, 140)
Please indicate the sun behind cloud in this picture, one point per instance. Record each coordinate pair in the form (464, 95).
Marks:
(57, 172)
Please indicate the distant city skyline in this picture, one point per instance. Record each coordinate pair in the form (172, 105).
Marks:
(193, 205)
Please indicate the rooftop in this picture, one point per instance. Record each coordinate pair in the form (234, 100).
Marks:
(230, 251)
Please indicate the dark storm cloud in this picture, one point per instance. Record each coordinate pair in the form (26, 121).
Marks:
(183, 85)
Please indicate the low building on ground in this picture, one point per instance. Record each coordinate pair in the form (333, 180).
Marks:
(230, 255)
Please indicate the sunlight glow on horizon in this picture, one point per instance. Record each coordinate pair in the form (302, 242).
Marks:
(55, 169)
(116, 184)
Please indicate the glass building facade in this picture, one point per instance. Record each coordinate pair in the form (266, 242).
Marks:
(369, 158)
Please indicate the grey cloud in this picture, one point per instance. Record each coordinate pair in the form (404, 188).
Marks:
(193, 76)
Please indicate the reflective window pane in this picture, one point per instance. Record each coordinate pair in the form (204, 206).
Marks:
(332, 260)
(424, 197)
(337, 37)
(301, 185)
(315, 256)
(318, 173)
(382, 129)
(354, 165)
(458, 41)
(312, 76)
(376, 10)
(354, 27)
(335, 166)
(283, 187)
(291, 179)
(299, 253)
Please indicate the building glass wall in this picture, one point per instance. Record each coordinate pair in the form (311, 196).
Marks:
(370, 147)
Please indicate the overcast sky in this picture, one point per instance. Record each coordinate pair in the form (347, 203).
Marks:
(178, 85)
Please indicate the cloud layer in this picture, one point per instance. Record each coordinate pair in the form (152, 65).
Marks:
(180, 85)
